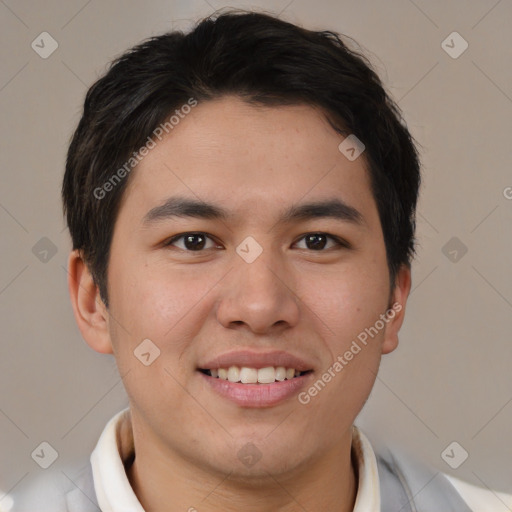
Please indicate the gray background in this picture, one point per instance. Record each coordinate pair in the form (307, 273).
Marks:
(450, 378)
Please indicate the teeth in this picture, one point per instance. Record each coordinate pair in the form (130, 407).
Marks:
(280, 373)
(233, 374)
(248, 375)
(266, 375)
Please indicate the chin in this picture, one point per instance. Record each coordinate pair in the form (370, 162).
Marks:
(261, 472)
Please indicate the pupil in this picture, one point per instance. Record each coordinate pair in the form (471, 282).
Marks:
(189, 242)
(316, 241)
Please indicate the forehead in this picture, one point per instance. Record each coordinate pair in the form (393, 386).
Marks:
(252, 159)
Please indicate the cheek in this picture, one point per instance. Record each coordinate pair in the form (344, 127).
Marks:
(349, 300)
(161, 304)
(148, 301)
(152, 306)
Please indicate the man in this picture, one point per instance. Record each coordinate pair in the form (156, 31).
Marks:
(241, 201)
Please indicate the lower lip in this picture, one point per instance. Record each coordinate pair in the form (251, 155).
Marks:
(257, 395)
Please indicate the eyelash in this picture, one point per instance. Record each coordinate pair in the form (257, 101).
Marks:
(340, 242)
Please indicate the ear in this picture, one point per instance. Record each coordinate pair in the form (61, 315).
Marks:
(396, 311)
(91, 314)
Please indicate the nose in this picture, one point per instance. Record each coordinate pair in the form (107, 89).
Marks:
(259, 297)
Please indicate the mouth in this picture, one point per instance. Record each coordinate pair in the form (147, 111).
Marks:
(248, 375)
(250, 378)
(255, 387)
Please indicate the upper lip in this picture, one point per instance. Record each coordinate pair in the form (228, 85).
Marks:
(252, 359)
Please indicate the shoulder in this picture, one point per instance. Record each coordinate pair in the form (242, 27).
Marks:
(64, 490)
(482, 499)
(419, 487)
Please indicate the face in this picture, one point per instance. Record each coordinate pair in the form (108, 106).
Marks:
(286, 268)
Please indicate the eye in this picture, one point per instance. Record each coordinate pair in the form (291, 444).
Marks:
(319, 241)
(192, 242)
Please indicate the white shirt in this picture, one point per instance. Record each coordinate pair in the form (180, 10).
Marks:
(115, 494)
(482, 500)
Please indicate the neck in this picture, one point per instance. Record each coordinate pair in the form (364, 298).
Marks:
(163, 480)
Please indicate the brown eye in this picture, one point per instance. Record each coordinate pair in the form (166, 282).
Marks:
(320, 241)
(191, 242)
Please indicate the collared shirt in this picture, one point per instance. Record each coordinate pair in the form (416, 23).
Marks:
(115, 494)
(115, 449)
(387, 482)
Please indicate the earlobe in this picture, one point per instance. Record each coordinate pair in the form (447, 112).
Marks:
(91, 315)
(396, 311)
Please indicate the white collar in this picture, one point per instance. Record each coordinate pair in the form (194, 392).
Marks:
(113, 490)
(115, 445)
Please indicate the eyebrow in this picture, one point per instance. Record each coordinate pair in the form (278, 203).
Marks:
(184, 207)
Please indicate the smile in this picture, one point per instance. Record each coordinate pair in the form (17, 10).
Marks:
(254, 393)
(247, 375)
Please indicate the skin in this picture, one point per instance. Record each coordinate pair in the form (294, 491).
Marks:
(255, 162)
